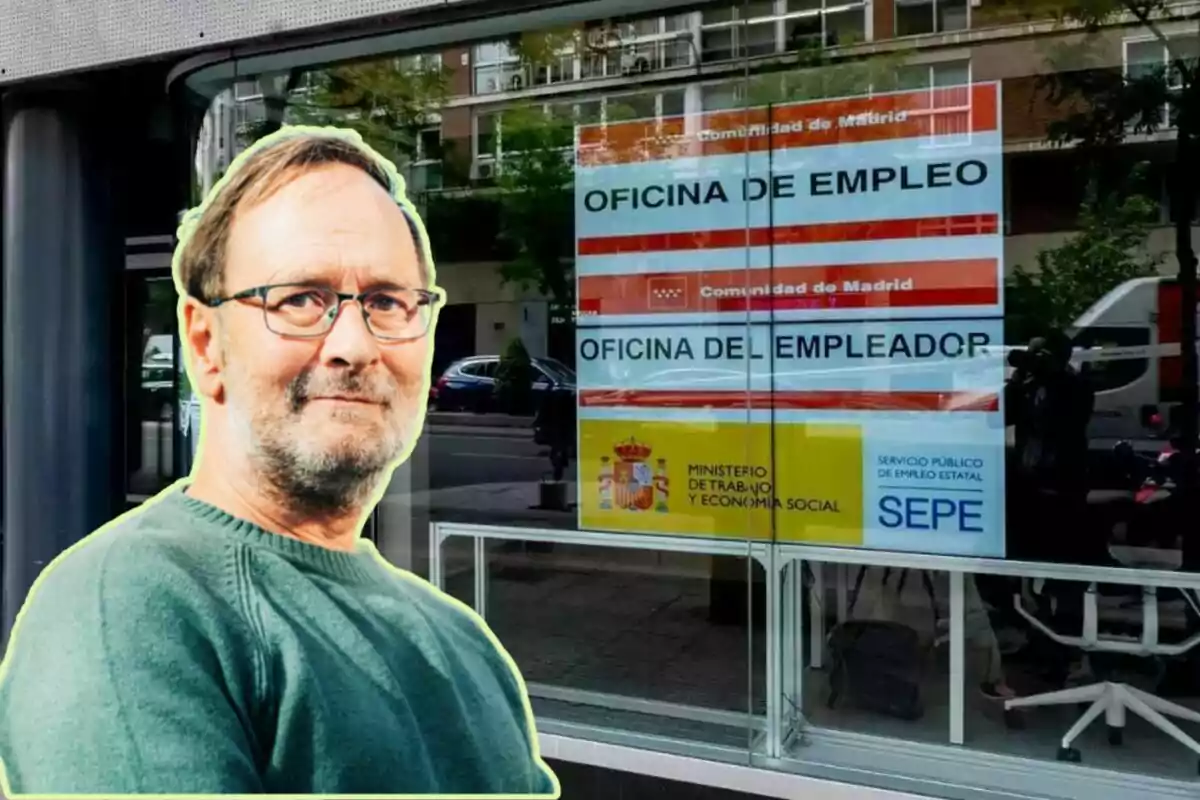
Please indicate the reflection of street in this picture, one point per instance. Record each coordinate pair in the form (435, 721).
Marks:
(626, 622)
(463, 456)
(488, 475)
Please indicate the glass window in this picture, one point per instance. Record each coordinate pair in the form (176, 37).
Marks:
(486, 140)
(152, 415)
(951, 73)
(491, 53)
(936, 75)
(952, 15)
(677, 22)
(631, 106)
(718, 45)
(498, 69)
(673, 103)
(556, 69)
(806, 32)
(915, 17)
(718, 14)
(246, 89)
(761, 38)
(755, 9)
(872, 380)
(429, 144)
(845, 27)
(1158, 64)
(930, 16)
(763, 29)
(677, 53)
(643, 27)
(721, 96)
(589, 112)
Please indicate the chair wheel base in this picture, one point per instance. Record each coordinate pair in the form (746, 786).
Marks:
(1069, 754)
(1115, 735)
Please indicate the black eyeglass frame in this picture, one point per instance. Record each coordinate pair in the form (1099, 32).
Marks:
(425, 297)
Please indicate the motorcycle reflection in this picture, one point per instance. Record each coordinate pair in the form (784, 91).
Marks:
(1155, 514)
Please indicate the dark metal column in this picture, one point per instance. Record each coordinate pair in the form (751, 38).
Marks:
(62, 255)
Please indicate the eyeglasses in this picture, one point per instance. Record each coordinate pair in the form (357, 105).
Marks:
(306, 311)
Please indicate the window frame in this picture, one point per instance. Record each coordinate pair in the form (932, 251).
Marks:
(1149, 38)
(631, 43)
(934, 18)
(496, 157)
(779, 19)
(508, 66)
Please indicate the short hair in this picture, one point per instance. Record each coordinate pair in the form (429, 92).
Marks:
(253, 179)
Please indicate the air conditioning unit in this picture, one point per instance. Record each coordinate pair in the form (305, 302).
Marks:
(485, 170)
(491, 85)
(634, 64)
(516, 83)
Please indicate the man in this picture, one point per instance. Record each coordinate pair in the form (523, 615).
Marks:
(1049, 404)
(235, 635)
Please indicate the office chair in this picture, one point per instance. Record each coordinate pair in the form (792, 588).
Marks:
(1114, 699)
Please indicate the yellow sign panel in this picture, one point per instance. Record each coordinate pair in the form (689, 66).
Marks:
(737, 480)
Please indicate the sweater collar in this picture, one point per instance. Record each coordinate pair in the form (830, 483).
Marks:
(363, 564)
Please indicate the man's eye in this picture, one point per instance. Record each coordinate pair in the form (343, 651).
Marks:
(387, 303)
(302, 300)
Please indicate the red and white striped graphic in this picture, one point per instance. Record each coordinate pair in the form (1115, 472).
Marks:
(959, 282)
(856, 120)
(857, 400)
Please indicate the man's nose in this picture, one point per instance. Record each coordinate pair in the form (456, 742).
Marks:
(350, 341)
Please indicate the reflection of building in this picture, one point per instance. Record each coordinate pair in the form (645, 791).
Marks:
(689, 61)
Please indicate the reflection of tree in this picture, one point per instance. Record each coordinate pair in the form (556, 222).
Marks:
(388, 101)
(814, 75)
(541, 48)
(536, 201)
(1107, 250)
(1102, 107)
(277, 92)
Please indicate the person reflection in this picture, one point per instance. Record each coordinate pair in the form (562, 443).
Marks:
(1049, 404)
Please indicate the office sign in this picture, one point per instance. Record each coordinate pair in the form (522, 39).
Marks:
(791, 323)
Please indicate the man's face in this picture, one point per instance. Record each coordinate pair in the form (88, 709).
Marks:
(325, 417)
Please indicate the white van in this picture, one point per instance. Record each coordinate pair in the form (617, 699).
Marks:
(1127, 344)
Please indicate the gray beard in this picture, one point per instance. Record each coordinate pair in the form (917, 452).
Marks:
(325, 487)
(313, 484)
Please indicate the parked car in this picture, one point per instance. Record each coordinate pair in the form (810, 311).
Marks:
(469, 383)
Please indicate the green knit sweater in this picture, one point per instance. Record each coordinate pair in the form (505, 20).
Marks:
(182, 650)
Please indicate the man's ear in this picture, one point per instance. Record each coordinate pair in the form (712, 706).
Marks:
(202, 341)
